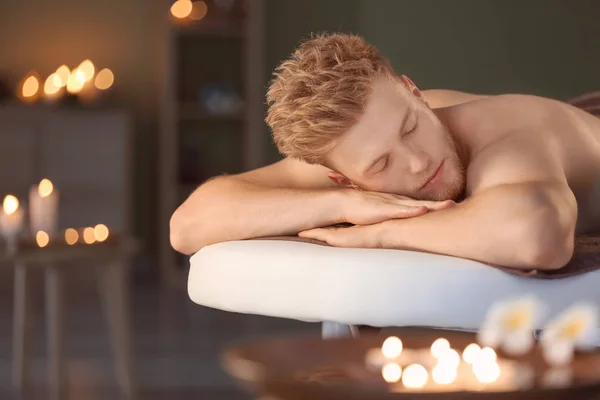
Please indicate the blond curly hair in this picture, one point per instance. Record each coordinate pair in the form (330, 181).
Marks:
(320, 92)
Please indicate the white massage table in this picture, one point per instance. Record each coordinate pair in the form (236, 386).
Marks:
(381, 288)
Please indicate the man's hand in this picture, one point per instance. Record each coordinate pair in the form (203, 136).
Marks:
(365, 236)
(366, 208)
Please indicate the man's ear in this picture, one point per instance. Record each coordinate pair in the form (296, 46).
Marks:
(341, 180)
(410, 85)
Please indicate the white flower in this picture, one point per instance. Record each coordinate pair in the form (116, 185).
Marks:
(509, 325)
(574, 329)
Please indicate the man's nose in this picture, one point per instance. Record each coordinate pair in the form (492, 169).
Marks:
(418, 162)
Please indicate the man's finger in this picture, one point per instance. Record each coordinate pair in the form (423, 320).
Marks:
(406, 212)
(440, 205)
(332, 236)
(316, 234)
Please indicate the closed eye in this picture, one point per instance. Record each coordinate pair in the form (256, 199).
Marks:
(414, 128)
(384, 164)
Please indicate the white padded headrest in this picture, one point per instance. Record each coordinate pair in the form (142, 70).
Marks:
(374, 287)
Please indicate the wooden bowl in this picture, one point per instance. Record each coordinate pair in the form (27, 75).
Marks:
(307, 368)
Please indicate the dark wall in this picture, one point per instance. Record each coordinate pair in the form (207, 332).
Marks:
(544, 47)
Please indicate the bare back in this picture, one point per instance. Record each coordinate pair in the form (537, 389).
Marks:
(542, 129)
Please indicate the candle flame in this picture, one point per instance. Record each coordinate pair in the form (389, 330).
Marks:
(391, 372)
(62, 75)
(414, 376)
(101, 232)
(199, 10)
(88, 235)
(449, 357)
(71, 236)
(486, 372)
(104, 79)
(10, 204)
(392, 347)
(75, 82)
(439, 347)
(52, 85)
(42, 238)
(85, 70)
(487, 354)
(30, 87)
(443, 374)
(471, 353)
(45, 188)
(181, 8)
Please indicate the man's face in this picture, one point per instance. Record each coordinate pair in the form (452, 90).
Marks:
(399, 145)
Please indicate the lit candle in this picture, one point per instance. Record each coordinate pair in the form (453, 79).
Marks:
(11, 219)
(71, 236)
(43, 207)
(377, 357)
(52, 87)
(89, 236)
(471, 353)
(444, 374)
(391, 372)
(415, 376)
(392, 347)
(42, 239)
(439, 347)
(100, 232)
(29, 88)
(104, 79)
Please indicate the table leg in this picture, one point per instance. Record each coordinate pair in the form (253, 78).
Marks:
(55, 331)
(333, 330)
(116, 307)
(22, 327)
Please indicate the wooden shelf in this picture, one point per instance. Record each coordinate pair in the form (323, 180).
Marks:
(192, 111)
(195, 144)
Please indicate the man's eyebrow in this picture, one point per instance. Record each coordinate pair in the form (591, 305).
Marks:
(386, 154)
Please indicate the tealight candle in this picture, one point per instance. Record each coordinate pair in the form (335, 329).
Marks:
(391, 372)
(487, 354)
(471, 353)
(11, 219)
(444, 374)
(42, 239)
(449, 357)
(88, 235)
(101, 232)
(439, 347)
(71, 236)
(392, 347)
(414, 376)
(43, 207)
(486, 372)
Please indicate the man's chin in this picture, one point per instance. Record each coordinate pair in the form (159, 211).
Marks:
(450, 192)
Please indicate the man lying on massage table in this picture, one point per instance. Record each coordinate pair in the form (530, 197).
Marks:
(507, 180)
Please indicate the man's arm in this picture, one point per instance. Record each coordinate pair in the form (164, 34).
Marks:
(278, 199)
(521, 225)
(522, 215)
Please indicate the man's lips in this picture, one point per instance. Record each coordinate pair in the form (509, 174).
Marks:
(435, 175)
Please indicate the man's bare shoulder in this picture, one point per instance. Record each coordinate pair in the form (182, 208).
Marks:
(499, 115)
(440, 98)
